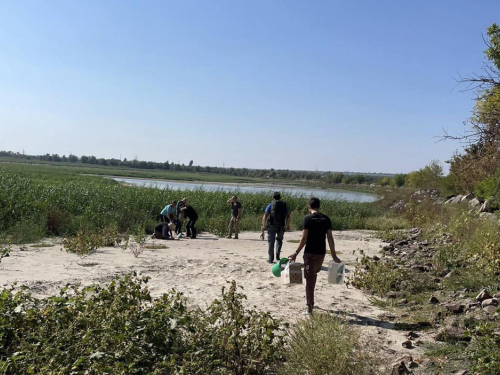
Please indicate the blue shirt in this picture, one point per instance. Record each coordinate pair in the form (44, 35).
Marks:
(168, 210)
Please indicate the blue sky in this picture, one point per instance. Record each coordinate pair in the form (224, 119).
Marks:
(332, 85)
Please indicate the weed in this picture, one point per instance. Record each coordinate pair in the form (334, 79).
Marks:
(324, 344)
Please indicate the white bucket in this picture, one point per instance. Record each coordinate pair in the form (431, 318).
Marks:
(336, 272)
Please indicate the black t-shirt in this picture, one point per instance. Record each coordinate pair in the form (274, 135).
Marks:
(235, 207)
(317, 226)
(190, 213)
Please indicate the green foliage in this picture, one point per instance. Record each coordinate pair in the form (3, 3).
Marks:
(121, 329)
(379, 277)
(493, 51)
(486, 188)
(485, 350)
(324, 344)
(427, 177)
(86, 240)
(228, 339)
(400, 179)
(59, 206)
(385, 181)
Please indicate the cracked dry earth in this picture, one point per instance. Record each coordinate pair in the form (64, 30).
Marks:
(199, 268)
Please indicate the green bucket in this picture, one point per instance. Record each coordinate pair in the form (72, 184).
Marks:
(277, 267)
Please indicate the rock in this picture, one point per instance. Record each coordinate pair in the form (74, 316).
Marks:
(461, 372)
(412, 335)
(467, 197)
(375, 258)
(457, 199)
(487, 207)
(407, 344)
(490, 310)
(448, 275)
(483, 294)
(401, 243)
(449, 201)
(475, 203)
(455, 307)
(452, 334)
(487, 216)
(400, 369)
(433, 300)
(392, 295)
(412, 364)
(489, 302)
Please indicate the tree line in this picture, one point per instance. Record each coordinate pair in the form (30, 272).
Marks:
(329, 178)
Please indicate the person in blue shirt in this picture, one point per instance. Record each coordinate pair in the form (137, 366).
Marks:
(168, 215)
(279, 220)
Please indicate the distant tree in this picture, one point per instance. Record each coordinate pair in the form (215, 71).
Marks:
(400, 179)
(84, 159)
(191, 163)
(385, 181)
(64, 158)
(428, 177)
(72, 158)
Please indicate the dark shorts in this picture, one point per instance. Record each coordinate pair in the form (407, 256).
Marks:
(312, 265)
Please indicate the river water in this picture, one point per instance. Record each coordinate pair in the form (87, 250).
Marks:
(352, 196)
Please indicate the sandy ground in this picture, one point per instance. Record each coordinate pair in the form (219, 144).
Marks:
(199, 268)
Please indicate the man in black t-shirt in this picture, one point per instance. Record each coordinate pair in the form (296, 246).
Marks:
(235, 216)
(191, 214)
(317, 227)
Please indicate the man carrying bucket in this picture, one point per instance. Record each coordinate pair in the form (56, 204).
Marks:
(317, 227)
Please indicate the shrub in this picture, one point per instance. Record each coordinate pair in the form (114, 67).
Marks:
(228, 339)
(324, 344)
(120, 329)
(485, 350)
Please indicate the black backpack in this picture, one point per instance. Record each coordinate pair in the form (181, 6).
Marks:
(278, 213)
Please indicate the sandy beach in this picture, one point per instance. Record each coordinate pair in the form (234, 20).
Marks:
(199, 268)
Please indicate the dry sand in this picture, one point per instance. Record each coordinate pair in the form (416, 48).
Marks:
(199, 268)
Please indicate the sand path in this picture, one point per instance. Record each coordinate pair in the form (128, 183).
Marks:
(199, 268)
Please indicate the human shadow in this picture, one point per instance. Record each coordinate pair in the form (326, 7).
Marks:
(359, 320)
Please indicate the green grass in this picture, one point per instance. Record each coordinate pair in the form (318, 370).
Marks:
(39, 245)
(155, 247)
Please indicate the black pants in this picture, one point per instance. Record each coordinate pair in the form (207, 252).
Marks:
(190, 229)
(178, 226)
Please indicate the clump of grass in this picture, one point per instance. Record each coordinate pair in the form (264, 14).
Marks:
(293, 241)
(40, 245)
(324, 344)
(155, 247)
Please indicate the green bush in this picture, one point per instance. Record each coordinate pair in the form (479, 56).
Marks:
(485, 350)
(121, 329)
(324, 344)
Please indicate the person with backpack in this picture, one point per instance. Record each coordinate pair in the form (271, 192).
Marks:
(279, 220)
(317, 230)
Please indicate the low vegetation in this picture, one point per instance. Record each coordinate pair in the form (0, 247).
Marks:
(121, 328)
(84, 208)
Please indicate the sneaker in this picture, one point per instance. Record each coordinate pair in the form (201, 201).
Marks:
(235, 237)
(270, 261)
(228, 237)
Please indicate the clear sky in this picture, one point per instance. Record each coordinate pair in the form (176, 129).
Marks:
(331, 85)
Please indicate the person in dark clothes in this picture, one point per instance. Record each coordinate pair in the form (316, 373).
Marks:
(278, 219)
(317, 227)
(162, 231)
(235, 216)
(191, 214)
(180, 215)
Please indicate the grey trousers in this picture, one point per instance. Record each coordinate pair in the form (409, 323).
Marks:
(275, 233)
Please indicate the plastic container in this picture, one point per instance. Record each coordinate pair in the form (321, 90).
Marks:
(276, 269)
(336, 272)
